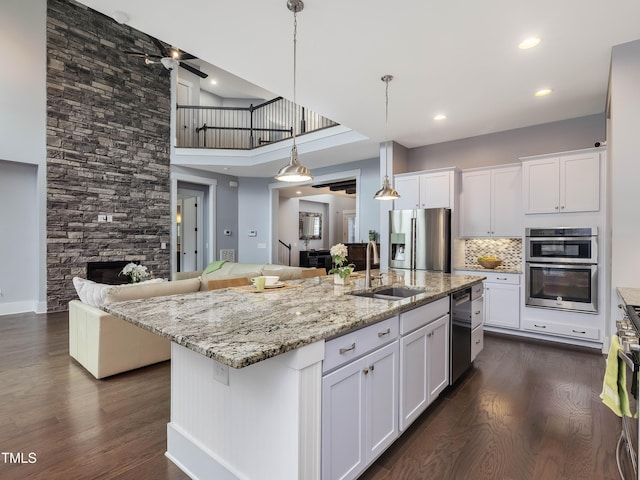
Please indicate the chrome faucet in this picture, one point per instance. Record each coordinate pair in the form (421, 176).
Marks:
(367, 278)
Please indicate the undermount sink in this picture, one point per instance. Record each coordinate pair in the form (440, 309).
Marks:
(390, 293)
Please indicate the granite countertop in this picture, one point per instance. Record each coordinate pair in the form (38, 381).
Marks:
(630, 296)
(240, 328)
(501, 269)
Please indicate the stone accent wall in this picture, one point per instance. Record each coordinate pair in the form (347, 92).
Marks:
(108, 138)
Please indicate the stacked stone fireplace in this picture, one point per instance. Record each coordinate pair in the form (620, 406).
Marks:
(108, 118)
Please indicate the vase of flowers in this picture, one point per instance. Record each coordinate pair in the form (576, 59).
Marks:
(341, 270)
(135, 271)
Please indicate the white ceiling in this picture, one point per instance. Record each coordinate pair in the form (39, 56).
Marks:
(452, 57)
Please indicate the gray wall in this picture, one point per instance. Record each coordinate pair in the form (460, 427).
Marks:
(23, 114)
(107, 149)
(624, 163)
(507, 147)
(253, 207)
(226, 204)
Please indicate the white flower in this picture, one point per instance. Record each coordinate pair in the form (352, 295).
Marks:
(339, 250)
(135, 271)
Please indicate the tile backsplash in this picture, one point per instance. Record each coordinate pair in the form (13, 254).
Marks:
(509, 250)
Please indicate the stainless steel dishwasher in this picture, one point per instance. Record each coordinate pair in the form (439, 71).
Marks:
(460, 351)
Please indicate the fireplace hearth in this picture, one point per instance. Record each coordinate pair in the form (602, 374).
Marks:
(107, 272)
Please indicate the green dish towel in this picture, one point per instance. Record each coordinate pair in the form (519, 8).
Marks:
(614, 387)
(213, 266)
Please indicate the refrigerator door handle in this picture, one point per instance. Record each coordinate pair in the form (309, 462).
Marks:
(413, 243)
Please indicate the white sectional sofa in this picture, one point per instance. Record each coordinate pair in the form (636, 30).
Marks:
(105, 345)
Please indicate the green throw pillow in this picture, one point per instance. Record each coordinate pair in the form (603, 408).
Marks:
(212, 267)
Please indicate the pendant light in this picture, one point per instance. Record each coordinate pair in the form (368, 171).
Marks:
(387, 192)
(294, 171)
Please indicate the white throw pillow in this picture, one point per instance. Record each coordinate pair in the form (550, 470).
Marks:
(94, 294)
(90, 292)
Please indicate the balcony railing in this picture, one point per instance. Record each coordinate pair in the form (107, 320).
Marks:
(244, 128)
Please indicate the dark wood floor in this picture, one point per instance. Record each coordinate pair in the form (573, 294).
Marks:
(525, 411)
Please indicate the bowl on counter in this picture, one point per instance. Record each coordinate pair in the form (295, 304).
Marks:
(490, 263)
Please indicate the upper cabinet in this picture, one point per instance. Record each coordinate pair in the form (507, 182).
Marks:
(425, 190)
(562, 184)
(492, 202)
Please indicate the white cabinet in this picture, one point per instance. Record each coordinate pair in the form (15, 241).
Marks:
(477, 320)
(360, 407)
(492, 202)
(424, 358)
(502, 300)
(425, 190)
(562, 184)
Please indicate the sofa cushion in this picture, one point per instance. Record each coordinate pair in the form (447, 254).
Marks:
(204, 286)
(121, 293)
(285, 273)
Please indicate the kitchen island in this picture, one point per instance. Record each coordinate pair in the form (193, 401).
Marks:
(261, 419)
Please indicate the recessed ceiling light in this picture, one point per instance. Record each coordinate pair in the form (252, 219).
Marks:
(298, 192)
(543, 92)
(440, 116)
(120, 17)
(529, 43)
(214, 82)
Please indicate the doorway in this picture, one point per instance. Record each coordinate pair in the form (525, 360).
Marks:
(349, 226)
(190, 241)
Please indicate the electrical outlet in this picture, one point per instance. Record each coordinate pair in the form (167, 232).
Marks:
(102, 218)
(163, 245)
(221, 372)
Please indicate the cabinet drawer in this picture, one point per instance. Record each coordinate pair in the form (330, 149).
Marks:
(477, 341)
(477, 312)
(477, 291)
(423, 315)
(352, 345)
(510, 278)
(563, 329)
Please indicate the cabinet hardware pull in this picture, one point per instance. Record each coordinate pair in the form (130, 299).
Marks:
(578, 331)
(345, 350)
(372, 367)
(539, 326)
(562, 207)
(365, 371)
(556, 207)
(382, 334)
(478, 312)
(477, 342)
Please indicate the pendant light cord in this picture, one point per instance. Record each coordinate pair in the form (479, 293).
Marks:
(386, 131)
(295, 104)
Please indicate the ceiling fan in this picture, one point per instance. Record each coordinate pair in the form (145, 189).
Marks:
(169, 57)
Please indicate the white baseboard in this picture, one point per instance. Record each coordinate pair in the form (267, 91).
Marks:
(193, 459)
(20, 307)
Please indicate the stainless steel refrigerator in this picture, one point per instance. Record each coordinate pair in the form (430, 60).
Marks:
(420, 239)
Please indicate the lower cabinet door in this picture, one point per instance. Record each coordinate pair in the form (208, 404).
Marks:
(502, 305)
(414, 392)
(343, 454)
(438, 356)
(381, 411)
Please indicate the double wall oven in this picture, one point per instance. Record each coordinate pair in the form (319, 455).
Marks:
(562, 268)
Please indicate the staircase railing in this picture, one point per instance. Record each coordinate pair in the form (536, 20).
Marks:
(284, 249)
(244, 128)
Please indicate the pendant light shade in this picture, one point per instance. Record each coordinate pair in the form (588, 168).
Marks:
(294, 171)
(387, 192)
